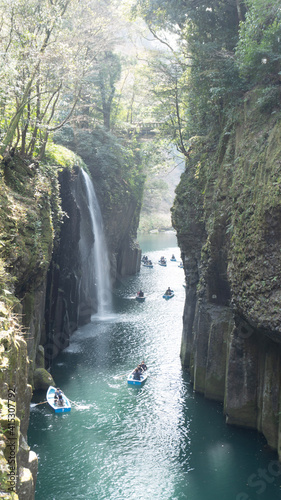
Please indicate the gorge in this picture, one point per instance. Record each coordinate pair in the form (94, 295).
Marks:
(69, 123)
(52, 303)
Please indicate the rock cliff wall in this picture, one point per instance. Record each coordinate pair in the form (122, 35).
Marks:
(114, 166)
(43, 208)
(227, 214)
(27, 234)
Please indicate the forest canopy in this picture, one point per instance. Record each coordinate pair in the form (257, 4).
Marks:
(228, 48)
(63, 60)
(49, 49)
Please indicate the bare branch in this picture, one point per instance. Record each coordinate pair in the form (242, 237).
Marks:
(52, 129)
(160, 39)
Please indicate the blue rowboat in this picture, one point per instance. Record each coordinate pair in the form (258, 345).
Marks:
(148, 265)
(174, 260)
(162, 263)
(58, 408)
(168, 296)
(138, 383)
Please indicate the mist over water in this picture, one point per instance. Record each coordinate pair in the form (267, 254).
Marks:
(159, 442)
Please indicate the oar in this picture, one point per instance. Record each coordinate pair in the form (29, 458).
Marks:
(73, 402)
(80, 406)
(36, 404)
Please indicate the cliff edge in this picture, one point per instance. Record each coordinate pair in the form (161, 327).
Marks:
(227, 214)
(42, 208)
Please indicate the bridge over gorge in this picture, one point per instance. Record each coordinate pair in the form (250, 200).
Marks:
(141, 129)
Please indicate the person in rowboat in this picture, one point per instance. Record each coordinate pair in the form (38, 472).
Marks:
(140, 293)
(168, 291)
(61, 401)
(58, 397)
(143, 366)
(136, 374)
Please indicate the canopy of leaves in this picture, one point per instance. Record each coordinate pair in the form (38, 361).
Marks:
(48, 48)
(207, 80)
(259, 48)
(225, 47)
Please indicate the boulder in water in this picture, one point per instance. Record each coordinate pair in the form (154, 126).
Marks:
(42, 379)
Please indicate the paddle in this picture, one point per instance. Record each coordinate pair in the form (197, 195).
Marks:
(120, 376)
(80, 406)
(36, 404)
(73, 402)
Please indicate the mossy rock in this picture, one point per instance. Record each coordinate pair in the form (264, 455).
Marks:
(40, 357)
(42, 379)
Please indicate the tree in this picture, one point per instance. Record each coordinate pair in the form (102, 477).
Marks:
(99, 92)
(49, 46)
(169, 91)
(259, 48)
(32, 44)
(208, 34)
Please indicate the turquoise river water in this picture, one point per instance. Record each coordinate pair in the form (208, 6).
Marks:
(158, 442)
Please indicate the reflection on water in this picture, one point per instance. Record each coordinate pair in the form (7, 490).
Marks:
(158, 241)
(160, 441)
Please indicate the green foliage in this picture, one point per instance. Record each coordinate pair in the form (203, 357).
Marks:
(61, 156)
(97, 100)
(107, 156)
(202, 82)
(154, 222)
(225, 49)
(157, 188)
(259, 48)
(6, 284)
(163, 13)
(213, 88)
(48, 51)
(269, 98)
(31, 218)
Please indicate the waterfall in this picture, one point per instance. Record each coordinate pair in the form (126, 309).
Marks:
(97, 265)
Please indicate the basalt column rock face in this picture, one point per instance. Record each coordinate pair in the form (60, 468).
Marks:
(64, 275)
(119, 189)
(18, 463)
(43, 210)
(227, 214)
(124, 249)
(27, 242)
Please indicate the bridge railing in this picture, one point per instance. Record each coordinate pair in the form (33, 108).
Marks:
(140, 128)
